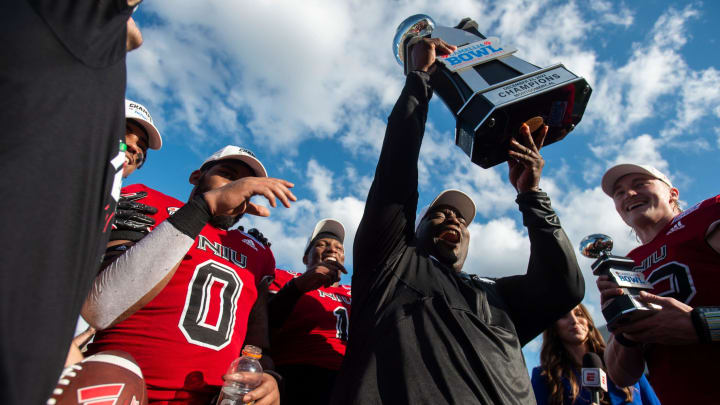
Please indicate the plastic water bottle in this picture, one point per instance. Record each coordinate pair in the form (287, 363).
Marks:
(248, 375)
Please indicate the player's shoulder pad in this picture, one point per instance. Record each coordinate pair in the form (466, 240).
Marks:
(286, 273)
(707, 210)
(134, 188)
(138, 187)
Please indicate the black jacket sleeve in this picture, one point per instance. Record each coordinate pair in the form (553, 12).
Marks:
(281, 304)
(390, 208)
(553, 284)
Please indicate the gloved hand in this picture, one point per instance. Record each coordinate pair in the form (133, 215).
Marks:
(130, 221)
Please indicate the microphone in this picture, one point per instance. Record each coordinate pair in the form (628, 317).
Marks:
(593, 376)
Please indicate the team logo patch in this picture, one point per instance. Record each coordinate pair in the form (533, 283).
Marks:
(250, 243)
(172, 210)
(678, 226)
(105, 394)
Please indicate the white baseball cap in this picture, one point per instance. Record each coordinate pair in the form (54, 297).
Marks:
(244, 155)
(453, 198)
(616, 172)
(137, 112)
(327, 225)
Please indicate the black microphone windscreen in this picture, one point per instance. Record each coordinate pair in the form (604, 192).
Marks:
(592, 360)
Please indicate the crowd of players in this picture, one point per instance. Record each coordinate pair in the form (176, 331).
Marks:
(181, 289)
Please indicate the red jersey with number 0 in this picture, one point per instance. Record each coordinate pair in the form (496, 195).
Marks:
(681, 264)
(316, 331)
(186, 337)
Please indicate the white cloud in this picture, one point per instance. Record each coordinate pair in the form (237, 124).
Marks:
(624, 16)
(700, 97)
(642, 149)
(655, 85)
(497, 248)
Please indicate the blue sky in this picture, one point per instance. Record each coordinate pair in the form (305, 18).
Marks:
(308, 86)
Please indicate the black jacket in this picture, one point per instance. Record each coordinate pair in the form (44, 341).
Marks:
(419, 331)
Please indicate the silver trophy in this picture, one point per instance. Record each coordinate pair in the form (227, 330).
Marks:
(491, 92)
(625, 308)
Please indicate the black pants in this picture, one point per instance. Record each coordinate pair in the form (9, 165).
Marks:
(304, 384)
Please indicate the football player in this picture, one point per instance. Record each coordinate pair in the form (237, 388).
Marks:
(309, 318)
(185, 298)
(680, 256)
(140, 134)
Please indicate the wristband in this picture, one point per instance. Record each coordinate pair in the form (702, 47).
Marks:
(625, 341)
(192, 217)
(706, 321)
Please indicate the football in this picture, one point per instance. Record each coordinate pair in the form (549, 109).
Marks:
(106, 378)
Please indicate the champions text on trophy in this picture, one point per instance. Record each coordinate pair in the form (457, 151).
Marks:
(491, 92)
(625, 308)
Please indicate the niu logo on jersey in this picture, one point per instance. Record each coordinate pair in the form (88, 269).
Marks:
(225, 252)
(106, 394)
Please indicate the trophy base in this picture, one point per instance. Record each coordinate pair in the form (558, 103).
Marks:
(488, 119)
(624, 310)
(607, 261)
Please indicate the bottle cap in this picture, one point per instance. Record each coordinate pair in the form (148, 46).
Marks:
(252, 351)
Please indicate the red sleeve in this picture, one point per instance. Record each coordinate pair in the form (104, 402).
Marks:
(281, 278)
(713, 214)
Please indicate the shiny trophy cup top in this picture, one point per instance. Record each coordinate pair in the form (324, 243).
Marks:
(417, 25)
(596, 245)
(491, 92)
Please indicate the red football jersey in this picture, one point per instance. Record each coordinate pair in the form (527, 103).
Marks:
(680, 264)
(186, 337)
(316, 331)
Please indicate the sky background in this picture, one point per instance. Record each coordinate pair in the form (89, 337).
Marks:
(308, 87)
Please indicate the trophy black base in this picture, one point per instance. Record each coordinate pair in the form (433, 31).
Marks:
(625, 309)
(607, 261)
(487, 120)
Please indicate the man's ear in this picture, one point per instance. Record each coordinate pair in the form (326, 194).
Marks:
(305, 260)
(195, 177)
(674, 195)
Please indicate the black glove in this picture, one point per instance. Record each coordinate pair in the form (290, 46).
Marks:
(130, 221)
(259, 236)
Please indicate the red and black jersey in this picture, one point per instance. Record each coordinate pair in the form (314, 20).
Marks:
(185, 338)
(316, 331)
(681, 264)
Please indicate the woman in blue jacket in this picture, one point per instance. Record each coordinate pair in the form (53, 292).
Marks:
(557, 381)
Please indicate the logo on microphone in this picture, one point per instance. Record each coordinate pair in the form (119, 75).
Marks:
(594, 377)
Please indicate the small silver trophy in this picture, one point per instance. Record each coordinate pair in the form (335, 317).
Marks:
(491, 92)
(625, 308)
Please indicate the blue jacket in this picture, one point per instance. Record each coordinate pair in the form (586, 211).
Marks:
(643, 394)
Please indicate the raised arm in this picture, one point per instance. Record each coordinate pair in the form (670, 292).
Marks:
(553, 284)
(392, 200)
(141, 272)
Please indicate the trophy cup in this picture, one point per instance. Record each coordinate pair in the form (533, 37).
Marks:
(491, 92)
(625, 308)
